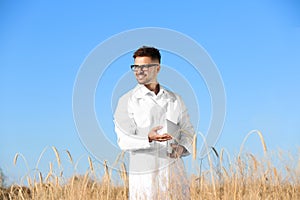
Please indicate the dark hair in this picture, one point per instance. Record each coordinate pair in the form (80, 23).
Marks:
(145, 51)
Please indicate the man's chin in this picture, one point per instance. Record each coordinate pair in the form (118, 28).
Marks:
(141, 81)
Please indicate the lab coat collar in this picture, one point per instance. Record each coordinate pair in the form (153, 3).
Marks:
(140, 91)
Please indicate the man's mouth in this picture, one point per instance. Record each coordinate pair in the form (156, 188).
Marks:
(140, 76)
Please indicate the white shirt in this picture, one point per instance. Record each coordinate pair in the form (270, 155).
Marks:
(139, 111)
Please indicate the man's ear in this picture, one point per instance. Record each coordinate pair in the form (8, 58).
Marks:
(158, 68)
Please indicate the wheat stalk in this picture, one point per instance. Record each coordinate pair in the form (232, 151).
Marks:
(17, 155)
(123, 173)
(77, 162)
(50, 172)
(56, 181)
(195, 147)
(106, 173)
(211, 165)
(40, 157)
(255, 163)
(261, 139)
(29, 181)
(91, 164)
(70, 157)
(41, 177)
(16, 158)
(124, 178)
(57, 156)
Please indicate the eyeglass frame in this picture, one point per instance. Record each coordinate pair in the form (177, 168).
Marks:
(141, 67)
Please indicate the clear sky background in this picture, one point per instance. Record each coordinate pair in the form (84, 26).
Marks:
(255, 45)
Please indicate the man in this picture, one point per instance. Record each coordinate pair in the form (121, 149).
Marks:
(142, 120)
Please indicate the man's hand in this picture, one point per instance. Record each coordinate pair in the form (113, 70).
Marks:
(177, 152)
(154, 136)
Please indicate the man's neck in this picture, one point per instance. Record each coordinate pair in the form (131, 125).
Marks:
(154, 87)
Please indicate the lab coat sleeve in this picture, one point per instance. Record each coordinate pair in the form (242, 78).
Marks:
(187, 131)
(125, 127)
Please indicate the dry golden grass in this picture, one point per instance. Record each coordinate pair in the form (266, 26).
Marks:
(243, 177)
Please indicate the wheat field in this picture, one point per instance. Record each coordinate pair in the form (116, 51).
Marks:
(242, 177)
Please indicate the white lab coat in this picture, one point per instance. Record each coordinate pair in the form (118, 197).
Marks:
(152, 174)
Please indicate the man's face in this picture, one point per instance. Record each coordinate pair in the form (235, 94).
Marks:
(147, 75)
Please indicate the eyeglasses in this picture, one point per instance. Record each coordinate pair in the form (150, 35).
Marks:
(142, 67)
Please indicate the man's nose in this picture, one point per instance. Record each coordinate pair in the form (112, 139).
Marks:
(140, 69)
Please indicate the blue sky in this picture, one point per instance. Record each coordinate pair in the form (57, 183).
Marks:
(254, 44)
